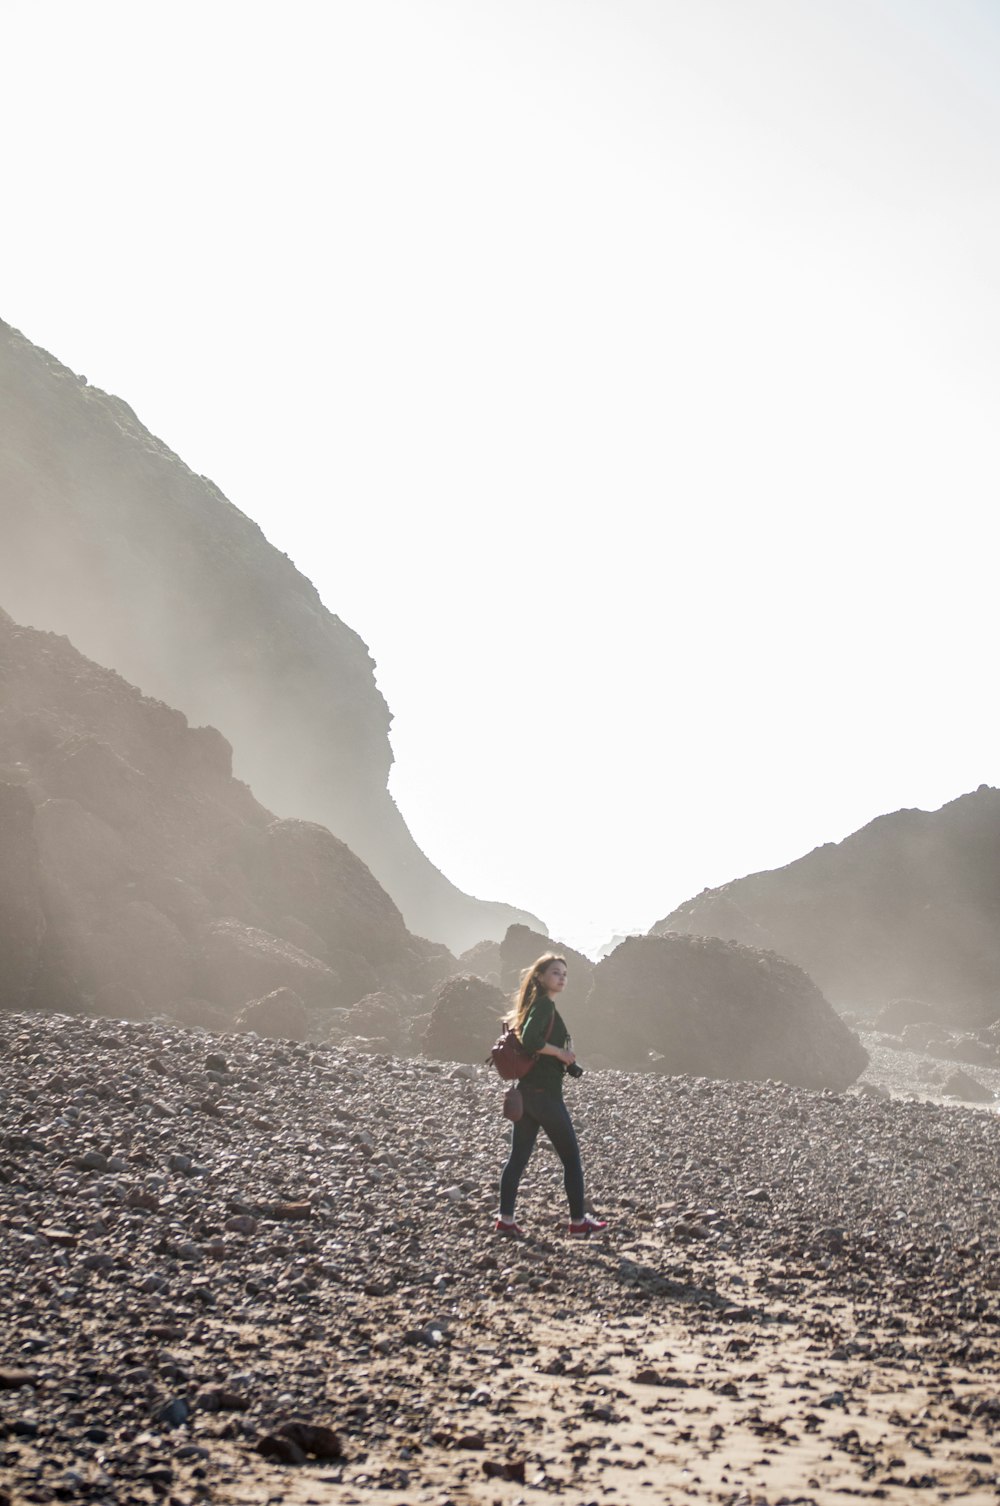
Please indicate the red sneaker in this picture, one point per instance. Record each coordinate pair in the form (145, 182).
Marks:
(508, 1228)
(583, 1228)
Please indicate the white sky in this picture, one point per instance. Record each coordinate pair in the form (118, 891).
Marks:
(626, 373)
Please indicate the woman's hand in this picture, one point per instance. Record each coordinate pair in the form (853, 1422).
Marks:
(566, 1057)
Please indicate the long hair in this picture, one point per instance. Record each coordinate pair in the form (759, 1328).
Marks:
(531, 987)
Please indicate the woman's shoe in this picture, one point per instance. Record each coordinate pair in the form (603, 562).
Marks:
(582, 1228)
(508, 1228)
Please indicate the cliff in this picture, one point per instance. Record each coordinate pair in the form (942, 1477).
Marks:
(909, 906)
(137, 876)
(109, 538)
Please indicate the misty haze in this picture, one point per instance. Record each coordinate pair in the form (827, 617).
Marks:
(578, 650)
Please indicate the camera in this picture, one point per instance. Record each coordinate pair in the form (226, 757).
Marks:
(574, 1070)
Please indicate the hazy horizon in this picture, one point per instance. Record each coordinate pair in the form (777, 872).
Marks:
(624, 374)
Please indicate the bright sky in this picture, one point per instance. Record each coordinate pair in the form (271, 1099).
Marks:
(626, 372)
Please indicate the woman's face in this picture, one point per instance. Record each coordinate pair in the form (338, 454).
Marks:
(553, 979)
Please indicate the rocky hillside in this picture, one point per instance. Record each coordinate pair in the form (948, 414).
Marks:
(109, 538)
(909, 906)
(138, 876)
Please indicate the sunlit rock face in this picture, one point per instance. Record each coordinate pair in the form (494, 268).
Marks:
(137, 876)
(907, 907)
(710, 1008)
(108, 537)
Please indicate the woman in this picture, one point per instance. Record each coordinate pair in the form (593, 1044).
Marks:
(539, 1027)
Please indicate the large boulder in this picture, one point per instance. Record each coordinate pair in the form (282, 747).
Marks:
(711, 1008)
(305, 871)
(522, 946)
(380, 1020)
(484, 960)
(281, 1015)
(465, 1020)
(240, 963)
(906, 908)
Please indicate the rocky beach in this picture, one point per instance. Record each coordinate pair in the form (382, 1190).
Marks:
(247, 1270)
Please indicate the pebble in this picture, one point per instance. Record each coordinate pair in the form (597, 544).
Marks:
(196, 1278)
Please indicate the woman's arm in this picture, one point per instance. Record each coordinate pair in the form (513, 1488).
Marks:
(536, 1027)
(566, 1057)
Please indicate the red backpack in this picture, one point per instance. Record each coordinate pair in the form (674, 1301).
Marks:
(509, 1056)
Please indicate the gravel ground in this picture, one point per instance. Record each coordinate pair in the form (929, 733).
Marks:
(236, 1269)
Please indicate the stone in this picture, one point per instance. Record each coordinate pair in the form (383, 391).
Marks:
(239, 963)
(712, 1008)
(173, 1413)
(295, 1441)
(961, 1085)
(280, 1014)
(281, 1450)
(241, 1223)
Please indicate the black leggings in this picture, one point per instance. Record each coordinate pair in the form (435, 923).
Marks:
(545, 1111)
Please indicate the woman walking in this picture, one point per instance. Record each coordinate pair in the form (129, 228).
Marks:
(539, 1026)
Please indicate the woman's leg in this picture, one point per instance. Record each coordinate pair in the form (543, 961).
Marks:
(522, 1142)
(553, 1115)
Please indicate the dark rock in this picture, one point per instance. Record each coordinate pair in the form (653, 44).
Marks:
(898, 1013)
(506, 1469)
(483, 960)
(294, 1442)
(289, 1212)
(220, 1399)
(961, 1085)
(522, 946)
(280, 1014)
(906, 908)
(465, 1020)
(240, 963)
(378, 1016)
(174, 1413)
(241, 1223)
(713, 1008)
(281, 1450)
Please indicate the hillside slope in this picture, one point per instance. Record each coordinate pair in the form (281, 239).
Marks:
(109, 538)
(909, 906)
(138, 876)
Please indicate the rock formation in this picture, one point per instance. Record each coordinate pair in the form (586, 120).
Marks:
(138, 876)
(522, 946)
(710, 1008)
(464, 1021)
(109, 538)
(909, 906)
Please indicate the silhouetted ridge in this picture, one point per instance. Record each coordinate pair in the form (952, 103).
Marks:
(909, 906)
(109, 538)
(138, 876)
